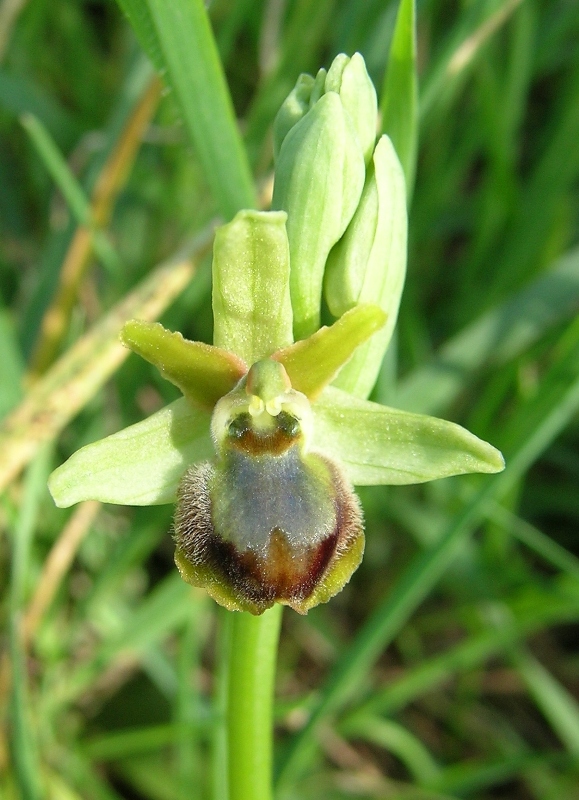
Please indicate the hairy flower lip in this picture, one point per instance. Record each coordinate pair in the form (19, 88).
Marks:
(266, 521)
(286, 569)
(280, 478)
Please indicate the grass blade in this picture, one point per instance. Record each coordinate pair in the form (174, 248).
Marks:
(191, 65)
(557, 704)
(399, 101)
(70, 188)
(502, 333)
(22, 734)
(81, 372)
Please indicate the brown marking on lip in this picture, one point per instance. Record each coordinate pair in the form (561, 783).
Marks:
(275, 442)
(254, 444)
(284, 574)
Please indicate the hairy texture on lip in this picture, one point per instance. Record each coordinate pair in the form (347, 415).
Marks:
(287, 562)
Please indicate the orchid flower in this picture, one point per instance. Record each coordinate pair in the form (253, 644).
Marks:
(262, 451)
(273, 431)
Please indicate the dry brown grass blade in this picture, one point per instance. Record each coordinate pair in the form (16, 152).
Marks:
(75, 378)
(57, 564)
(105, 193)
(471, 45)
(9, 12)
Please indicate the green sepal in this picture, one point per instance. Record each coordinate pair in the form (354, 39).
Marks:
(202, 372)
(349, 78)
(318, 180)
(140, 465)
(293, 108)
(368, 265)
(251, 299)
(312, 363)
(380, 445)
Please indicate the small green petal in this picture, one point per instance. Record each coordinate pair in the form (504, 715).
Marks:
(140, 465)
(312, 363)
(251, 301)
(381, 445)
(202, 372)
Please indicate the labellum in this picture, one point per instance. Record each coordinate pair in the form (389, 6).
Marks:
(269, 520)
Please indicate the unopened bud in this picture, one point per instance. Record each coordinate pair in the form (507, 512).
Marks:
(369, 263)
(318, 181)
(294, 107)
(349, 78)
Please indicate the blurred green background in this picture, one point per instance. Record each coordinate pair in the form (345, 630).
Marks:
(449, 666)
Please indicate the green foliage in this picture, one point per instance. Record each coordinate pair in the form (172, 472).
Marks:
(449, 664)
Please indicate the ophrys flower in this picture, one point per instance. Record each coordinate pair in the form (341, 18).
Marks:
(261, 453)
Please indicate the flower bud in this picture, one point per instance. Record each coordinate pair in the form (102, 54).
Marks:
(294, 107)
(324, 134)
(369, 263)
(349, 78)
(318, 180)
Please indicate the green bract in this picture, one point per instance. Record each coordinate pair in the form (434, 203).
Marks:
(261, 452)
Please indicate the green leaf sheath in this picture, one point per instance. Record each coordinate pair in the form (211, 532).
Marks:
(312, 363)
(251, 299)
(381, 445)
(140, 465)
(202, 372)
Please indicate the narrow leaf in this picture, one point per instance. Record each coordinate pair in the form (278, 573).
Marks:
(558, 705)
(312, 363)
(399, 101)
(141, 20)
(202, 372)
(500, 334)
(140, 465)
(73, 192)
(381, 445)
(192, 67)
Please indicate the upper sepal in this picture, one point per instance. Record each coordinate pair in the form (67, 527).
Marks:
(252, 312)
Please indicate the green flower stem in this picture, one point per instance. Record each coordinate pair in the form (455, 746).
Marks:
(251, 679)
